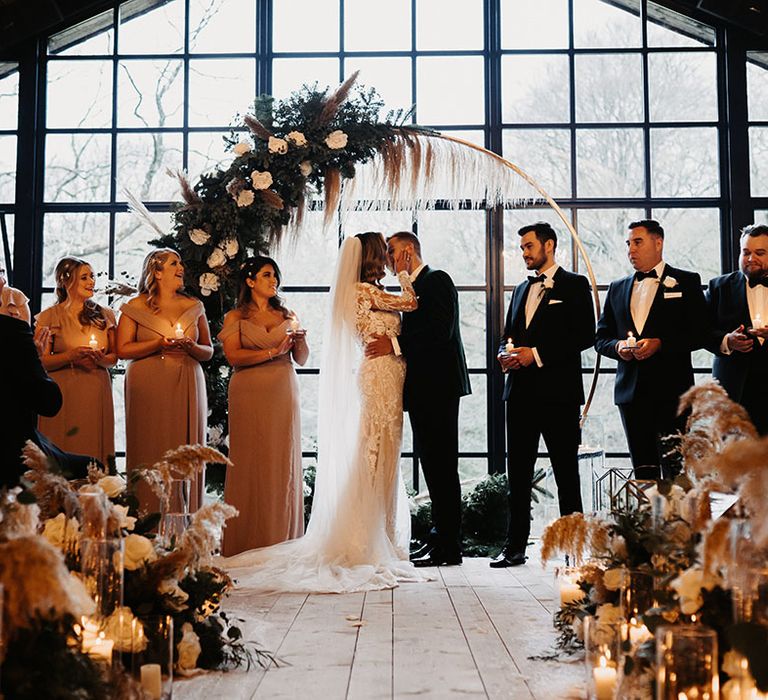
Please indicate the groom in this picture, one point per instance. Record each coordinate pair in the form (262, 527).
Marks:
(436, 378)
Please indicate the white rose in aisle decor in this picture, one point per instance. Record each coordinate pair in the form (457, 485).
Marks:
(230, 246)
(126, 521)
(217, 258)
(297, 138)
(199, 236)
(688, 586)
(336, 139)
(613, 578)
(305, 167)
(61, 532)
(208, 283)
(608, 614)
(277, 145)
(245, 198)
(113, 486)
(177, 598)
(189, 649)
(138, 551)
(261, 179)
(242, 148)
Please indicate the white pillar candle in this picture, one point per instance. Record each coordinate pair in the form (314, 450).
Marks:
(179, 331)
(631, 340)
(758, 321)
(101, 650)
(570, 593)
(605, 680)
(509, 348)
(93, 343)
(638, 633)
(152, 680)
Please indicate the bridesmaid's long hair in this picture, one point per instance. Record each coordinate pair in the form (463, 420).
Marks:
(66, 274)
(147, 282)
(248, 270)
(374, 258)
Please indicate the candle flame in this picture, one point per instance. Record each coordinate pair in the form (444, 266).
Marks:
(603, 662)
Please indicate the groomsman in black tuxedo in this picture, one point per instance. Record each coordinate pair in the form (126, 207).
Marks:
(436, 378)
(738, 313)
(550, 321)
(651, 322)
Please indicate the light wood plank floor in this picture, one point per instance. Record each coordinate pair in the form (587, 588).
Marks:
(469, 633)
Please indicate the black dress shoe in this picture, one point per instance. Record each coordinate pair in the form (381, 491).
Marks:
(422, 551)
(506, 559)
(436, 558)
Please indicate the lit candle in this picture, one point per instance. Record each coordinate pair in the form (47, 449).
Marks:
(570, 592)
(179, 331)
(631, 340)
(638, 633)
(605, 680)
(102, 650)
(293, 325)
(758, 321)
(93, 343)
(509, 348)
(152, 680)
(95, 643)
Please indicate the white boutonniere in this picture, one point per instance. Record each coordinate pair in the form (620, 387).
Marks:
(548, 283)
(669, 282)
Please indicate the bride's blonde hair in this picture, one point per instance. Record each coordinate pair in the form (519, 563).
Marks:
(147, 282)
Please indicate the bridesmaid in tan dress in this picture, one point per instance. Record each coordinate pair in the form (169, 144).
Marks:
(260, 337)
(80, 349)
(164, 333)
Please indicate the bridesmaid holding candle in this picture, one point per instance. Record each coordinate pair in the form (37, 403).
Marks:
(80, 349)
(165, 335)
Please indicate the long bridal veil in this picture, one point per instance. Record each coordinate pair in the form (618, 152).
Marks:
(346, 547)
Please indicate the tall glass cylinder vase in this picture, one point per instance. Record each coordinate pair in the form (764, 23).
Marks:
(636, 593)
(148, 656)
(175, 519)
(102, 568)
(603, 657)
(686, 663)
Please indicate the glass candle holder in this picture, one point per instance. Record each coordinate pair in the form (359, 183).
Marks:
(148, 656)
(567, 586)
(172, 527)
(101, 566)
(603, 657)
(636, 593)
(686, 663)
(180, 495)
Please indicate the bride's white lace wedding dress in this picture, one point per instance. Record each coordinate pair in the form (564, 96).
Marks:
(359, 531)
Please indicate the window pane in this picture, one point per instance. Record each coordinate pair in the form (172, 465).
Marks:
(222, 26)
(77, 167)
(668, 28)
(473, 419)
(9, 95)
(83, 235)
(91, 81)
(758, 160)
(310, 258)
(385, 221)
(159, 31)
(390, 76)
(535, 88)
(448, 24)
(682, 86)
(150, 93)
(473, 325)
(370, 26)
(450, 90)
(684, 163)
(534, 25)
(206, 151)
(610, 162)
(601, 23)
(289, 74)
(308, 385)
(603, 233)
(118, 395)
(141, 163)
(7, 168)
(311, 308)
(757, 86)
(306, 25)
(544, 154)
(604, 410)
(93, 37)
(692, 239)
(609, 88)
(132, 244)
(219, 89)
(454, 241)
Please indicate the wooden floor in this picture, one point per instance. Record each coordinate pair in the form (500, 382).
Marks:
(469, 633)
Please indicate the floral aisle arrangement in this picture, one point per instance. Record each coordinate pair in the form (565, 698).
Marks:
(665, 574)
(84, 628)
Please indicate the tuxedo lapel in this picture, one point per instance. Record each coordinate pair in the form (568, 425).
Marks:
(740, 300)
(518, 302)
(626, 300)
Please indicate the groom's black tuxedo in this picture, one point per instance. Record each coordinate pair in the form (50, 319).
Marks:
(436, 378)
(647, 392)
(544, 400)
(744, 375)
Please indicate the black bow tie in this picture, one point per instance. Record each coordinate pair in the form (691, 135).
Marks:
(639, 276)
(536, 279)
(754, 283)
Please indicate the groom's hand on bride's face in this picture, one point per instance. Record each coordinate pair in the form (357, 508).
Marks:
(380, 345)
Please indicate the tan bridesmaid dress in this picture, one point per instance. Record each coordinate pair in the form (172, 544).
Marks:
(165, 399)
(266, 482)
(86, 422)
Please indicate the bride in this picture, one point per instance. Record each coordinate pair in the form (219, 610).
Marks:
(359, 531)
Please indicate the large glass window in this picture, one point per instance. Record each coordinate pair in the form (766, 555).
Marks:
(9, 119)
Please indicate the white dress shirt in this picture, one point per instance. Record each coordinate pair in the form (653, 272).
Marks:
(535, 295)
(757, 303)
(643, 294)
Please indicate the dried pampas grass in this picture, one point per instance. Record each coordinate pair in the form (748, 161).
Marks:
(53, 493)
(576, 535)
(17, 519)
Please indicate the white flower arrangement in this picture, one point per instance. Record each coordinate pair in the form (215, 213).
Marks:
(189, 649)
(245, 198)
(230, 247)
(305, 168)
(126, 521)
(199, 236)
(336, 139)
(689, 585)
(209, 282)
(113, 486)
(297, 138)
(669, 282)
(242, 148)
(548, 283)
(138, 551)
(261, 179)
(61, 532)
(217, 258)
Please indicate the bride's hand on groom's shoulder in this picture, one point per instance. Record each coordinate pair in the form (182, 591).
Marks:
(378, 347)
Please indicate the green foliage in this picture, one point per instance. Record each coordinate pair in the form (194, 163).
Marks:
(310, 474)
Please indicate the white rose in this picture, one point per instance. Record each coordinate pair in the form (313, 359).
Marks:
(336, 139)
(126, 521)
(61, 532)
(277, 145)
(188, 648)
(126, 631)
(209, 282)
(261, 179)
(297, 138)
(230, 246)
(688, 586)
(305, 167)
(113, 486)
(138, 551)
(217, 258)
(199, 236)
(245, 198)
(177, 598)
(613, 578)
(548, 283)
(242, 148)
(607, 614)
(669, 282)
(215, 433)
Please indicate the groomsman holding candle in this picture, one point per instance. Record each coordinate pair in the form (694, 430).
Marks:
(738, 312)
(549, 322)
(651, 322)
